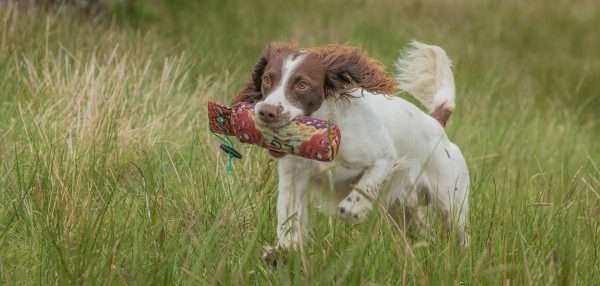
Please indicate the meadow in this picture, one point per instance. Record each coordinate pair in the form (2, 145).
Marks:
(108, 175)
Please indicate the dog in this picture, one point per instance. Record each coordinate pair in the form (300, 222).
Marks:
(392, 154)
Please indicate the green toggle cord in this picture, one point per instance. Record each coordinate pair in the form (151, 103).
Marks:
(226, 145)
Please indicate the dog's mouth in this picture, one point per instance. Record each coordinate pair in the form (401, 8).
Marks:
(273, 125)
(276, 154)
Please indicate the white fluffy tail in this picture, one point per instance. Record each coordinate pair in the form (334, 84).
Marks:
(425, 72)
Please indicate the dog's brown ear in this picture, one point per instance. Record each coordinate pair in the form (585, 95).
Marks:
(349, 68)
(252, 89)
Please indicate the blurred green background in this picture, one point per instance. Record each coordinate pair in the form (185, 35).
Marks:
(108, 175)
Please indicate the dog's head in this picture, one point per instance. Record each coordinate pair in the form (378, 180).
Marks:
(288, 82)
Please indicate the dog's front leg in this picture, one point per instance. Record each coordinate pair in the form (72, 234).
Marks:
(357, 205)
(292, 205)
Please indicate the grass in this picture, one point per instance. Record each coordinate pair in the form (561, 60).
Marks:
(108, 175)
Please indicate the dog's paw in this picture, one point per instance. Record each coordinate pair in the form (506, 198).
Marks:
(355, 207)
(273, 256)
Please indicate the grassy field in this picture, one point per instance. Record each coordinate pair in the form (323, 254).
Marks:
(108, 175)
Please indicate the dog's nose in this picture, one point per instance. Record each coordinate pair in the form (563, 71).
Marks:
(269, 113)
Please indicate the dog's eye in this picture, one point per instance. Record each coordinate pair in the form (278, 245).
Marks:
(256, 98)
(301, 85)
(267, 81)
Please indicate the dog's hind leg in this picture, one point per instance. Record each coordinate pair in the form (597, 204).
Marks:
(449, 190)
(403, 198)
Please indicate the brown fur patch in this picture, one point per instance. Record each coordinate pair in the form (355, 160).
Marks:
(346, 68)
(349, 67)
(441, 114)
(252, 90)
(313, 73)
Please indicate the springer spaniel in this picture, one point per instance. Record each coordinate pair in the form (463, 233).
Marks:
(392, 154)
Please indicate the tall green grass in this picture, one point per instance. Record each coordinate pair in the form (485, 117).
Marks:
(108, 175)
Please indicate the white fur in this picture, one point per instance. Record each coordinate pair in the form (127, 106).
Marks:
(425, 72)
(391, 154)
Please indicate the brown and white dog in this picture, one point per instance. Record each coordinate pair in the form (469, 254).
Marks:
(392, 154)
